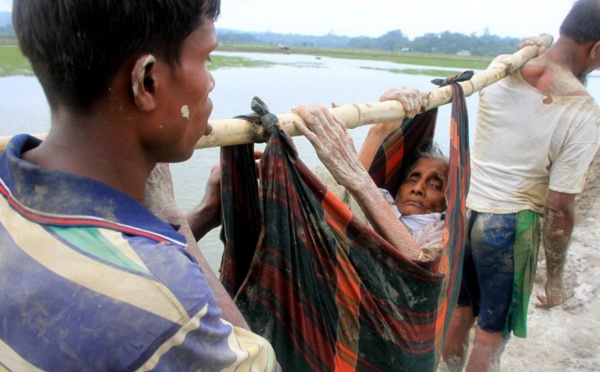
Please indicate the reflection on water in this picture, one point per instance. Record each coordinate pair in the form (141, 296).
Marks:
(301, 80)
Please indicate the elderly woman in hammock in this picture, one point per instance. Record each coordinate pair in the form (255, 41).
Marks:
(413, 221)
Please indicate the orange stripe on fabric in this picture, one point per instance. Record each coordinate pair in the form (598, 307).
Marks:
(337, 214)
(345, 360)
(444, 268)
(348, 299)
(454, 134)
(348, 285)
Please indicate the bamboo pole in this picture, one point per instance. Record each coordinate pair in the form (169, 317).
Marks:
(236, 131)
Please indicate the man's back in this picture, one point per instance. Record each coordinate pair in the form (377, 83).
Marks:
(92, 280)
(526, 141)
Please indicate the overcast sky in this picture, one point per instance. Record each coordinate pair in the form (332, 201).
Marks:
(373, 18)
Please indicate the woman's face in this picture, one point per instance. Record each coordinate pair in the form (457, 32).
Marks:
(424, 189)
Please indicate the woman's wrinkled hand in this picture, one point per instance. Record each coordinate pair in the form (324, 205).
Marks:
(332, 143)
(411, 102)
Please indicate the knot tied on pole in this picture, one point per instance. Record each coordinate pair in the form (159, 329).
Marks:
(261, 116)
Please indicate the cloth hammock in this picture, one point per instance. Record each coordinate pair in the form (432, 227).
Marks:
(324, 288)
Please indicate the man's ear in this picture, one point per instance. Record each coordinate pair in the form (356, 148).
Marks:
(143, 82)
(595, 51)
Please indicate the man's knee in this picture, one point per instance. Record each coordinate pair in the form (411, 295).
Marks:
(492, 340)
(463, 315)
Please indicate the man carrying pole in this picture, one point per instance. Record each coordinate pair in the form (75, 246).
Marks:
(91, 279)
(537, 132)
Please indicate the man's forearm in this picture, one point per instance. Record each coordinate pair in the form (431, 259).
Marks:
(207, 214)
(201, 222)
(556, 234)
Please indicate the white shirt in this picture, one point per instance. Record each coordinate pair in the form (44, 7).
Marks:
(528, 142)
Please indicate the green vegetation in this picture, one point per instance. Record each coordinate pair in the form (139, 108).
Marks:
(409, 58)
(12, 62)
(446, 50)
(445, 43)
(218, 62)
(418, 71)
(7, 32)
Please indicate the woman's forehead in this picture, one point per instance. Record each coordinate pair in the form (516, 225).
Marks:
(430, 165)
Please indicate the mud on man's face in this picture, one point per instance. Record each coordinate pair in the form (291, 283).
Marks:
(187, 105)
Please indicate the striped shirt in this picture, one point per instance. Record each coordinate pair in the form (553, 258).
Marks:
(92, 280)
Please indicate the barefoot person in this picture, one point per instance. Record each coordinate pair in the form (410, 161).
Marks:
(537, 132)
(90, 278)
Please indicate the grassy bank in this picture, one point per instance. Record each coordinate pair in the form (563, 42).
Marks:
(225, 62)
(422, 59)
(12, 62)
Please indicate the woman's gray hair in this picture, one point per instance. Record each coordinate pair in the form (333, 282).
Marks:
(430, 150)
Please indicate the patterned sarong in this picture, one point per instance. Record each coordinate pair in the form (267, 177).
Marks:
(325, 289)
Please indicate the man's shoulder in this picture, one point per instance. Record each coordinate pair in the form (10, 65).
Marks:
(548, 76)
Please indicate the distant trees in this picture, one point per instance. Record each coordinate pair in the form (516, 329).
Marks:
(428, 43)
(453, 43)
(443, 43)
(237, 38)
(7, 32)
(486, 45)
(227, 36)
(394, 41)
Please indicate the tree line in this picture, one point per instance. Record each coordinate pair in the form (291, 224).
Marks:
(7, 32)
(486, 45)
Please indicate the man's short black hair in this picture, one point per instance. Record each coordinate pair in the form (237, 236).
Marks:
(582, 24)
(76, 46)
